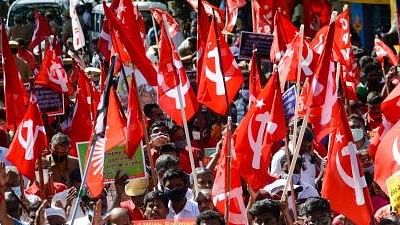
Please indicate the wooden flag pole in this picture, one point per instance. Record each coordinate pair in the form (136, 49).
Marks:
(182, 109)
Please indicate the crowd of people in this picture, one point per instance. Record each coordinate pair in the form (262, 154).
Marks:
(175, 191)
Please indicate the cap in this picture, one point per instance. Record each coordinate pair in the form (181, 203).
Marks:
(92, 70)
(279, 185)
(137, 186)
(55, 212)
(314, 204)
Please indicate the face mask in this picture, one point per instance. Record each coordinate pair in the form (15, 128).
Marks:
(16, 190)
(45, 176)
(357, 133)
(175, 194)
(245, 93)
(196, 135)
(180, 144)
(59, 158)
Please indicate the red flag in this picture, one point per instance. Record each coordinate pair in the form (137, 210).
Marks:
(382, 50)
(350, 79)
(288, 65)
(387, 157)
(390, 107)
(130, 39)
(52, 73)
(81, 125)
(317, 13)
(116, 123)
(383, 129)
(237, 210)
(14, 92)
(218, 65)
(344, 174)
(232, 9)
(104, 44)
(203, 23)
(323, 93)
(263, 12)
(42, 30)
(135, 130)
(263, 125)
(284, 32)
(254, 80)
(171, 76)
(342, 44)
(172, 24)
(28, 142)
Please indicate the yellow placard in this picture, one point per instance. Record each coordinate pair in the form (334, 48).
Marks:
(393, 186)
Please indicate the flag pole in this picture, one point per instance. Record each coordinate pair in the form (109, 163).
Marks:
(228, 134)
(89, 161)
(184, 119)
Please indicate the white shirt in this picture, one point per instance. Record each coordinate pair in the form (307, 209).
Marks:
(276, 167)
(191, 210)
(309, 172)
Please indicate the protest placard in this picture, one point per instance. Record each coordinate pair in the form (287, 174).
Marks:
(115, 160)
(49, 101)
(393, 186)
(250, 41)
(289, 102)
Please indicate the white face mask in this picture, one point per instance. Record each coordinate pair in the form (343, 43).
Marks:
(45, 176)
(196, 135)
(357, 133)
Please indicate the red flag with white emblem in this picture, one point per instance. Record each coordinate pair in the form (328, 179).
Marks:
(130, 40)
(52, 73)
(263, 125)
(171, 76)
(104, 44)
(254, 80)
(390, 107)
(284, 32)
(382, 50)
(323, 91)
(28, 142)
(342, 44)
(42, 30)
(263, 16)
(237, 209)
(172, 24)
(218, 65)
(344, 174)
(387, 157)
(14, 92)
(288, 65)
(81, 127)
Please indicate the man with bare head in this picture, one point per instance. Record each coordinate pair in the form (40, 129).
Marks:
(118, 216)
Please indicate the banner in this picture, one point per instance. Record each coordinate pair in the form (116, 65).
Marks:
(115, 160)
(49, 101)
(250, 41)
(289, 101)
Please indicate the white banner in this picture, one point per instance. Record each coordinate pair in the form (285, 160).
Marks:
(77, 32)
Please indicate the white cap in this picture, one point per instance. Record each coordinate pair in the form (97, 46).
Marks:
(55, 211)
(278, 185)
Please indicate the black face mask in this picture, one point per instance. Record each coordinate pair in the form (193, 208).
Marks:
(59, 158)
(175, 194)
